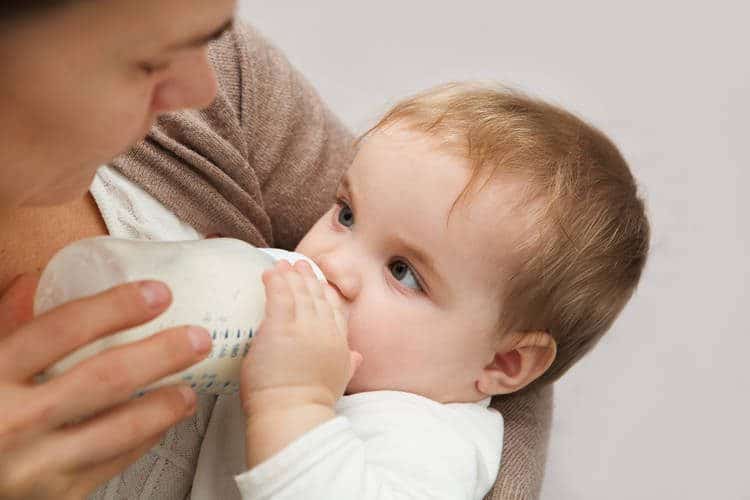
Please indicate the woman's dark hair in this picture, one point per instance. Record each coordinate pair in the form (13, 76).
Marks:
(14, 9)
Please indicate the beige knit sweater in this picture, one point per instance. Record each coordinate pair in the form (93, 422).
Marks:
(261, 164)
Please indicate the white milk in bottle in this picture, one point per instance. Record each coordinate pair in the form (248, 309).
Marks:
(215, 283)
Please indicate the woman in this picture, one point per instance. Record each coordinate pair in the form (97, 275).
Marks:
(92, 79)
(72, 96)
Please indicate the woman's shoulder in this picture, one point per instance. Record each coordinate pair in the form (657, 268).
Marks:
(249, 69)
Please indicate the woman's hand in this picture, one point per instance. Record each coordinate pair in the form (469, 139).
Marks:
(43, 454)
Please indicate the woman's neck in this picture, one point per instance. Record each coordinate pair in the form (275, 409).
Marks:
(29, 237)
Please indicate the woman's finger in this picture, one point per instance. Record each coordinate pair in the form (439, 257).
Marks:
(17, 303)
(62, 330)
(114, 432)
(113, 376)
(91, 478)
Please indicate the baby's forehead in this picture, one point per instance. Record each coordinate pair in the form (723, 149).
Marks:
(479, 247)
(427, 191)
(495, 217)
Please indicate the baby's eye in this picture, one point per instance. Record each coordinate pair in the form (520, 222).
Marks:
(402, 271)
(346, 215)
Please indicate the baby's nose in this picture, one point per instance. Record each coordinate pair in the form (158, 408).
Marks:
(341, 275)
(337, 296)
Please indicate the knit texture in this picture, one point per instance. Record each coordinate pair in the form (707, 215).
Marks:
(261, 164)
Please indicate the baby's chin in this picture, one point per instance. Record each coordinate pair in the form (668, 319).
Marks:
(354, 387)
(362, 382)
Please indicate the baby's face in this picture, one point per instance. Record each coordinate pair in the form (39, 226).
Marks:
(421, 291)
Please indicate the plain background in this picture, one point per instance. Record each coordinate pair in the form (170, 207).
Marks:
(661, 408)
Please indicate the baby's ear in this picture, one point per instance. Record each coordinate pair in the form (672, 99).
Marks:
(520, 359)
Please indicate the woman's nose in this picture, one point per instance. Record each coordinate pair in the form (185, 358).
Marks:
(341, 273)
(191, 85)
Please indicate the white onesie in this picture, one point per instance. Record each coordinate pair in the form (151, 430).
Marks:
(381, 445)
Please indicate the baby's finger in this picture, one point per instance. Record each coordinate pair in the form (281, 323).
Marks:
(303, 301)
(283, 265)
(305, 268)
(314, 288)
(279, 300)
(340, 319)
(338, 314)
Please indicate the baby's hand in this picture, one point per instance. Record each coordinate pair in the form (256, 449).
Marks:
(300, 354)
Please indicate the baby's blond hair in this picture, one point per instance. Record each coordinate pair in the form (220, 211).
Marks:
(583, 260)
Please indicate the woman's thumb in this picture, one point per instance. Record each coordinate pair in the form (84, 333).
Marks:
(17, 302)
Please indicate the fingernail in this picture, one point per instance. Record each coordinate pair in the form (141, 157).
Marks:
(154, 293)
(200, 339)
(303, 266)
(189, 396)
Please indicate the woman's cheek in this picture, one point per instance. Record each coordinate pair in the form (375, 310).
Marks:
(139, 102)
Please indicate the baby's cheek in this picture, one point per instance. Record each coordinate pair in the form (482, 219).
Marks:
(378, 344)
(365, 341)
(368, 327)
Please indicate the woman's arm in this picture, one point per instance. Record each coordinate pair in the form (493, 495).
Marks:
(296, 145)
(260, 164)
(527, 417)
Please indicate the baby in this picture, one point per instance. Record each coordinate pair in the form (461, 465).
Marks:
(481, 243)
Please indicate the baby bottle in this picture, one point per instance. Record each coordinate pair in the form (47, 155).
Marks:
(215, 283)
